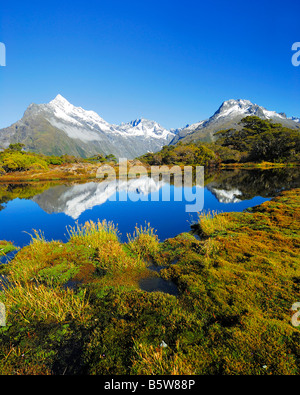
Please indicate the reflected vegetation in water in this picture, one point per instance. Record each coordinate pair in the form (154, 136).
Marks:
(237, 185)
(51, 207)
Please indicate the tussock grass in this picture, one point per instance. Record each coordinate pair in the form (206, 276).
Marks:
(102, 237)
(212, 222)
(144, 241)
(47, 304)
(93, 234)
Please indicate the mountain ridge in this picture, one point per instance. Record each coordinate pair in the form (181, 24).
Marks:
(228, 116)
(59, 127)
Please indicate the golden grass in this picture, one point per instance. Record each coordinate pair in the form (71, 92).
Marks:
(92, 234)
(144, 241)
(45, 303)
(211, 222)
(158, 360)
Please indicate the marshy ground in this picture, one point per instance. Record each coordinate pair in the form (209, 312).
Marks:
(78, 308)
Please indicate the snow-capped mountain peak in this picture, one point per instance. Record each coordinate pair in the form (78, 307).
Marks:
(67, 112)
(232, 108)
(60, 101)
(229, 115)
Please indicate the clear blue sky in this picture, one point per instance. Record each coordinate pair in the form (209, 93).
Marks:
(171, 61)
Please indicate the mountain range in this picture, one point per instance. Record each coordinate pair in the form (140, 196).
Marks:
(58, 128)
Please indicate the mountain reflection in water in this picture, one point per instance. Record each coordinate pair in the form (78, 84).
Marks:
(75, 200)
(52, 207)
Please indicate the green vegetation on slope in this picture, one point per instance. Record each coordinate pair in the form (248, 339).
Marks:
(183, 154)
(258, 141)
(77, 308)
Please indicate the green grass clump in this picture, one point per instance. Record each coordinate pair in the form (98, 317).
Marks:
(144, 242)
(210, 223)
(6, 247)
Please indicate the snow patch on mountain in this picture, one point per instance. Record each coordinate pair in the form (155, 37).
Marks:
(187, 129)
(295, 119)
(232, 108)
